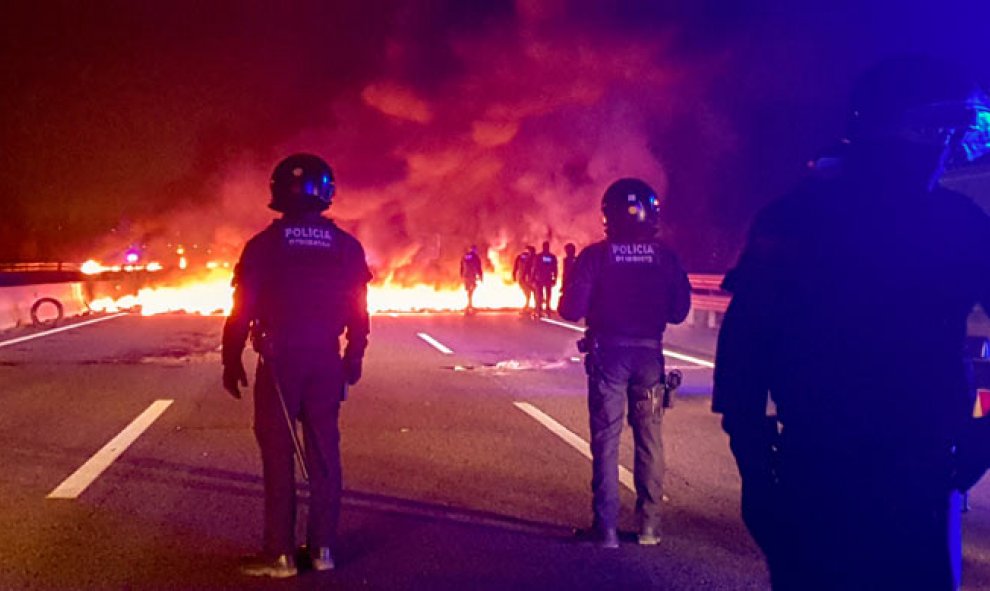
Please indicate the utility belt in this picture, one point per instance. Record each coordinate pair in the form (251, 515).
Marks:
(639, 343)
(266, 344)
(591, 346)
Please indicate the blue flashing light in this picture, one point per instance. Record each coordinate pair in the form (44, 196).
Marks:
(976, 140)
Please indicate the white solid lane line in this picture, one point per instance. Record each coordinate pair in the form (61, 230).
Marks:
(690, 358)
(45, 333)
(569, 437)
(568, 325)
(675, 354)
(77, 482)
(435, 343)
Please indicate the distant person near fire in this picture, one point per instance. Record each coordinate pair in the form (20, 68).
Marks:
(544, 278)
(627, 287)
(300, 283)
(472, 274)
(522, 271)
(567, 265)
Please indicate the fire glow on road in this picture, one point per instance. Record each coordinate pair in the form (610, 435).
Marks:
(213, 295)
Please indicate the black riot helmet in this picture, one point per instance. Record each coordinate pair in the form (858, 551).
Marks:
(301, 183)
(631, 209)
(924, 102)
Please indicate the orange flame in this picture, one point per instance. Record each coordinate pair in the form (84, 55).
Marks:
(208, 295)
(212, 294)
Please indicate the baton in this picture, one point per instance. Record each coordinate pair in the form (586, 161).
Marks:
(300, 454)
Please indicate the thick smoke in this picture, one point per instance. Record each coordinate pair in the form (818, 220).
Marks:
(448, 123)
(512, 146)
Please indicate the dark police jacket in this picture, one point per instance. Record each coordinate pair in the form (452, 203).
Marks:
(303, 281)
(568, 266)
(627, 289)
(849, 308)
(471, 267)
(522, 268)
(544, 269)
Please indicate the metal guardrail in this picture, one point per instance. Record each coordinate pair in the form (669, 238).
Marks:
(38, 267)
(706, 282)
(12, 274)
(707, 294)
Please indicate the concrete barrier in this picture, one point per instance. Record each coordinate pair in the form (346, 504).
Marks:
(45, 302)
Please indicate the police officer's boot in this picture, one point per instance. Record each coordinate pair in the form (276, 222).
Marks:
(602, 537)
(322, 559)
(648, 536)
(279, 567)
(609, 538)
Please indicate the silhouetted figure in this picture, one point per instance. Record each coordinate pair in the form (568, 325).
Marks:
(567, 265)
(522, 273)
(849, 311)
(300, 284)
(472, 274)
(627, 287)
(544, 278)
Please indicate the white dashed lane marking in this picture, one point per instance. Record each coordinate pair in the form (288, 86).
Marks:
(435, 343)
(572, 439)
(45, 333)
(78, 481)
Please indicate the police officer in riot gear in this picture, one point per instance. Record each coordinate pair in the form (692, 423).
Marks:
(300, 284)
(627, 287)
(567, 265)
(472, 273)
(849, 312)
(522, 273)
(544, 278)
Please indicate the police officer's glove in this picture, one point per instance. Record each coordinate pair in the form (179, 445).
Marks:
(234, 376)
(352, 370)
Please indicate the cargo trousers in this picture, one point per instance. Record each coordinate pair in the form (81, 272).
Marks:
(311, 382)
(621, 378)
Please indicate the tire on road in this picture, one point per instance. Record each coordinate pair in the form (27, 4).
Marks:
(41, 302)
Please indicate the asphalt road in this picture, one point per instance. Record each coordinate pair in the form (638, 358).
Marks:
(462, 469)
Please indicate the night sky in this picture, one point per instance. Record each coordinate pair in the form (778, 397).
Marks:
(447, 122)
